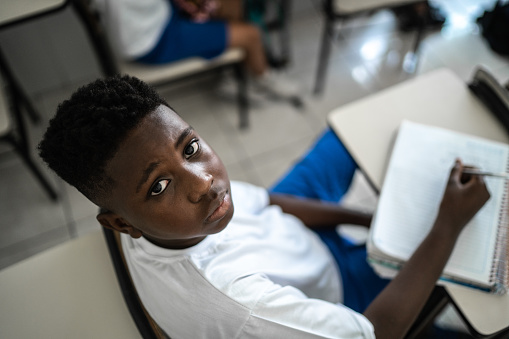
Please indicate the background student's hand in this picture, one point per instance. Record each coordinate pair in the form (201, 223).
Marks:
(463, 197)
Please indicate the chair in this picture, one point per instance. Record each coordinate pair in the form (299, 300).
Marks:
(160, 74)
(339, 10)
(147, 327)
(492, 94)
(13, 129)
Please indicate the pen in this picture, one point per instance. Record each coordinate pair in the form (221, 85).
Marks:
(485, 173)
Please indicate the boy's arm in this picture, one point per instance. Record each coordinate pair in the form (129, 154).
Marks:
(317, 214)
(397, 306)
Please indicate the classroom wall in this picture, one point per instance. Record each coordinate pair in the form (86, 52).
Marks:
(49, 52)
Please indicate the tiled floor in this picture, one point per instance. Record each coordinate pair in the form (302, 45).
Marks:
(366, 58)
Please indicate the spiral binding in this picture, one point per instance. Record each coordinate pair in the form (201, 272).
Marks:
(499, 273)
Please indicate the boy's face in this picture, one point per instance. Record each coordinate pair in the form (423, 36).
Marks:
(170, 186)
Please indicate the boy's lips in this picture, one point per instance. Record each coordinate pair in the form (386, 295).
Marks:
(223, 205)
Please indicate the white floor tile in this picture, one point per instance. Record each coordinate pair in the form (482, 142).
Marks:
(26, 210)
(272, 127)
(273, 164)
(243, 171)
(463, 52)
(79, 207)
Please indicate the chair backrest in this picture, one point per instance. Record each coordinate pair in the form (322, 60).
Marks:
(160, 74)
(347, 7)
(146, 325)
(492, 94)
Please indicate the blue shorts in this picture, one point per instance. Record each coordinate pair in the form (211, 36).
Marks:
(183, 38)
(326, 173)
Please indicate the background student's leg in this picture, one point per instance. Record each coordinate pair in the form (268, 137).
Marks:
(326, 173)
(183, 38)
(242, 34)
(249, 38)
(229, 10)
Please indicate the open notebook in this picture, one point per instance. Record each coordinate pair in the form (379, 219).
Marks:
(415, 180)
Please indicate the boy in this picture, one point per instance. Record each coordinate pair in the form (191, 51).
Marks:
(203, 270)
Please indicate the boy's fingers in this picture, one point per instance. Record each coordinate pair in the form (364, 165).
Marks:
(477, 184)
(464, 178)
(478, 179)
(456, 170)
(471, 183)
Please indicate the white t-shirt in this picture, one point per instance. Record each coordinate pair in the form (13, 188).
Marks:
(134, 27)
(265, 276)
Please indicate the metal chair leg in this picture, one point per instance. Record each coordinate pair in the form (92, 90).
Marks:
(27, 159)
(411, 58)
(30, 109)
(323, 59)
(435, 304)
(242, 99)
(19, 94)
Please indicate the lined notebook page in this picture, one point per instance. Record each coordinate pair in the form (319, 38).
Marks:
(415, 181)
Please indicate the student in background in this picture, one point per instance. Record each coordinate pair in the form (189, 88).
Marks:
(161, 31)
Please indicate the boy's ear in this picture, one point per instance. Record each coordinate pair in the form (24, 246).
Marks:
(115, 222)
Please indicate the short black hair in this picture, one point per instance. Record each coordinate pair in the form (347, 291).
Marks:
(88, 128)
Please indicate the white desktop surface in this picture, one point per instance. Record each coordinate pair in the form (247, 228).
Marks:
(368, 128)
(69, 291)
(14, 10)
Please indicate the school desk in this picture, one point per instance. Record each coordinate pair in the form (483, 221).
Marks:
(68, 291)
(368, 128)
(16, 11)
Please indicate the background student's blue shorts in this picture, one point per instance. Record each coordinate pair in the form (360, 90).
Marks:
(183, 38)
(326, 173)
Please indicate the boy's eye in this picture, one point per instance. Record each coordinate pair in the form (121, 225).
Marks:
(159, 187)
(191, 149)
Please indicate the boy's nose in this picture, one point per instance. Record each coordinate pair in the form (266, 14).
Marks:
(199, 186)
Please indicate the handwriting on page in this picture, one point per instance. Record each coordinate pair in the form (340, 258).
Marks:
(423, 159)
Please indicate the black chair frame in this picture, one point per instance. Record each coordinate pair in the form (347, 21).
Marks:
(129, 293)
(17, 137)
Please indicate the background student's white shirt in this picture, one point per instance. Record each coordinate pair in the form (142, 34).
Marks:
(134, 27)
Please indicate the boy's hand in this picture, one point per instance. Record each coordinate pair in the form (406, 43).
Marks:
(397, 306)
(463, 197)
